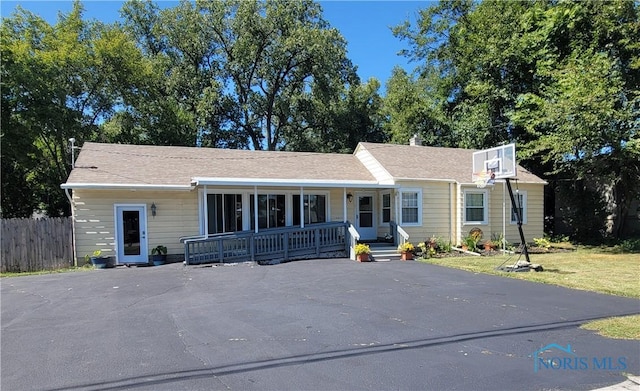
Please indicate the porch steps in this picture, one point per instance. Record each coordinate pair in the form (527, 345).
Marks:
(383, 252)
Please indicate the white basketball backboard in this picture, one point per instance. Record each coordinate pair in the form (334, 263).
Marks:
(494, 163)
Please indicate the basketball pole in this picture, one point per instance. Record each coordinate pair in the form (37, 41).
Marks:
(519, 220)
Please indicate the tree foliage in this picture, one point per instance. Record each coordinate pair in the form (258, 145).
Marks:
(238, 73)
(559, 78)
(233, 74)
(412, 107)
(58, 82)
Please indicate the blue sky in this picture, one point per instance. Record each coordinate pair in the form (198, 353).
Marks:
(364, 24)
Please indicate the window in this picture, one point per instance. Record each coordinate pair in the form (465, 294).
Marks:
(386, 207)
(271, 211)
(475, 207)
(315, 209)
(224, 213)
(410, 201)
(521, 203)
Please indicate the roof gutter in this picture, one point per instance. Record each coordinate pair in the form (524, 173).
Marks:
(125, 186)
(425, 179)
(264, 182)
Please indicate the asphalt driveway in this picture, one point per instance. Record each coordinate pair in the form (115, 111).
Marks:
(329, 324)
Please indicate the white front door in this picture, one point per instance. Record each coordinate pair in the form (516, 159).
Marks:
(131, 234)
(365, 216)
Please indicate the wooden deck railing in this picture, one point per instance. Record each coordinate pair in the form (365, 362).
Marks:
(271, 244)
(400, 236)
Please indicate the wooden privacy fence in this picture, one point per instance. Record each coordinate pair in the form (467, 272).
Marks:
(30, 245)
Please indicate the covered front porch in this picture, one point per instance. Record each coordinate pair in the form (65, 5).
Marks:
(280, 220)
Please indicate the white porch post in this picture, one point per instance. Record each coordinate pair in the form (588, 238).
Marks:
(255, 208)
(397, 207)
(206, 212)
(301, 206)
(344, 204)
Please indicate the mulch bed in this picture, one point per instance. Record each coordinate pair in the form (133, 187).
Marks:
(493, 253)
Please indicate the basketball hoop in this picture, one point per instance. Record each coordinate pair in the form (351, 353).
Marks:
(483, 178)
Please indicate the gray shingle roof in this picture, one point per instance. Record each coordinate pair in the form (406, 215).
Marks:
(144, 165)
(121, 164)
(417, 162)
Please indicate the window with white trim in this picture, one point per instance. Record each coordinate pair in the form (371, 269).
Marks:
(224, 213)
(386, 208)
(315, 208)
(521, 203)
(476, 209)
(411, 207)
(271, 211)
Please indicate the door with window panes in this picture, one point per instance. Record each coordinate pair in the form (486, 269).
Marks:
(365, 216)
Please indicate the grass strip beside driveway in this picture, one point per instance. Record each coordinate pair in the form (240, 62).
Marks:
(622, 327)
(590, 270)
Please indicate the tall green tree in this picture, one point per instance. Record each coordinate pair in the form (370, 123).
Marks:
(58, 82)
(181, 100)
(586, 116)
(558, 78)
(238, 73)
(471, 62)
(411, 107)
(338, 124)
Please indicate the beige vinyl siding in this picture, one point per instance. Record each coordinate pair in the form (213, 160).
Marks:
(177, 215)
(336, 205)
(436, 219)
(438, 199)
(374, 167)
(534, 227)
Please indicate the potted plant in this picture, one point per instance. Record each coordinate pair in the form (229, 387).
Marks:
(489, 245)
(97, 259)
(406, 250)
(362, 252)
(159, 255)
(497, 240)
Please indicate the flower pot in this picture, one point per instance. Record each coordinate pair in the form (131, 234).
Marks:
(99, 262)
(406, 256)
(158, 260)
(362, 257)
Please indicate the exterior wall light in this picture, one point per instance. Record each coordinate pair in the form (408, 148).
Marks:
(349, 197)
(154, 208)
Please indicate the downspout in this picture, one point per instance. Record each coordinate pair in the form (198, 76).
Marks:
(458, 212)
(451, 213)
(73, 226)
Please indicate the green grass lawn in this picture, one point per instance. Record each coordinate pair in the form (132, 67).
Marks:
(586, 269)
(591, 270)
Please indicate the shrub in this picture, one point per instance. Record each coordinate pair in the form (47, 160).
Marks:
(542, 242)
(630, 246)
